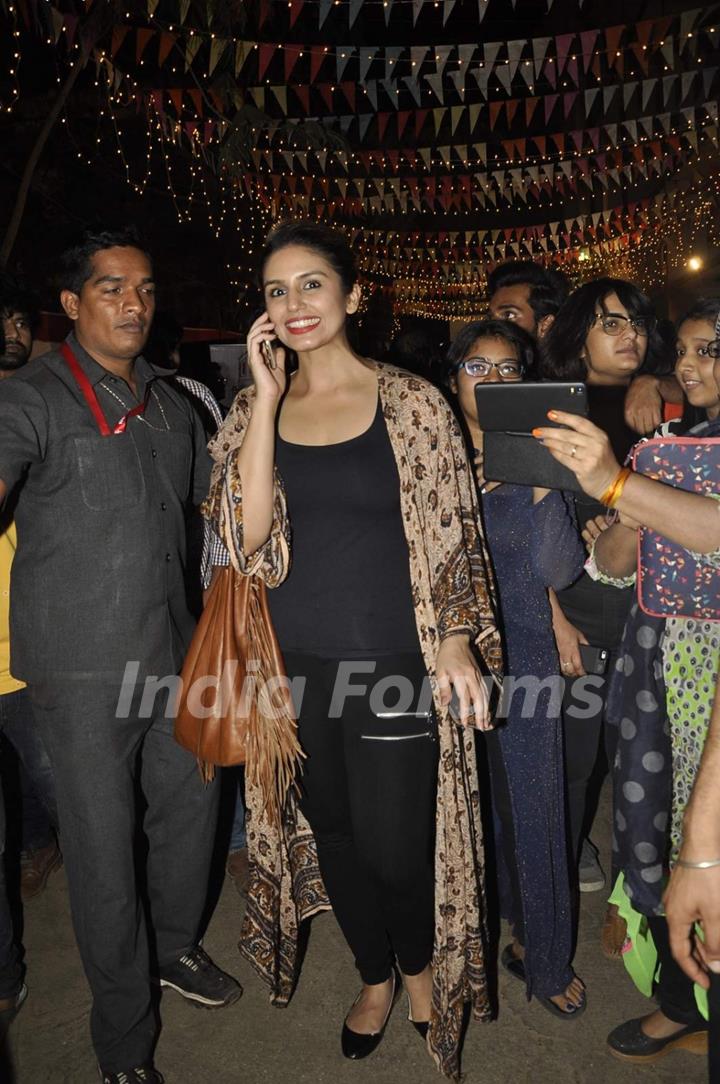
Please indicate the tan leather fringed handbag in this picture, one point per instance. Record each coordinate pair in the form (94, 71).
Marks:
(234, 704)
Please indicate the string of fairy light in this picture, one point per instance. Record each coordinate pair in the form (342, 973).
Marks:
(202, 187)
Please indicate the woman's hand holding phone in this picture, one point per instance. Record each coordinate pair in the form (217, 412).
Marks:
(266, 360)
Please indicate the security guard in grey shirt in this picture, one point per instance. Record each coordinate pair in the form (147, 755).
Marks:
(109, 459)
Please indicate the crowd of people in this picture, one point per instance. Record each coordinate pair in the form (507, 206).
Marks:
(409, 593)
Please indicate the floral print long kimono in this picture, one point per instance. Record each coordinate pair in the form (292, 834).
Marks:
(452, 593)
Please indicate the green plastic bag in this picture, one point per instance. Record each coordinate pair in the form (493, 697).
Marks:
(639, 954)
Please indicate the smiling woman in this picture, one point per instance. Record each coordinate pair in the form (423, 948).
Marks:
(358, 471)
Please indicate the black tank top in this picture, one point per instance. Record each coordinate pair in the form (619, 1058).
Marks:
(348, 592)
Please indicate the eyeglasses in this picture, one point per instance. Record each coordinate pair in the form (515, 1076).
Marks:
(479, 367)
(713, 349)
(614, 324)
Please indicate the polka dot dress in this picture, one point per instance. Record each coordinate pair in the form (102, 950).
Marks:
(691, 654)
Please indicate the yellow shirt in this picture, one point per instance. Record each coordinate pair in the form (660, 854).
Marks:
(8, 545)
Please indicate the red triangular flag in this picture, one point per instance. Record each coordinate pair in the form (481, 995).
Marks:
(166, 43)
(142, 38)
(266, 53)
(291, 54)
(317, 56)
(118, 37)
(327, 95)
(303, 94)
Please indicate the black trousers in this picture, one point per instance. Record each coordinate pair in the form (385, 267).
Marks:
(101, 763)
(584, 731)
(368, 792)
(675, 992)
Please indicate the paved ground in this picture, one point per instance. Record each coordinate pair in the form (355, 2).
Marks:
(256, 1044)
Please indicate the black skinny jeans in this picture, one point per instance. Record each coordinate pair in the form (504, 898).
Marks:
(368, 791)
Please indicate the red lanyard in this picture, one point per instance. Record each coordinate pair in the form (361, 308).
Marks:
(92, 401)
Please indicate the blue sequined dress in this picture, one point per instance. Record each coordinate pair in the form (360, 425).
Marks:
(533, 547)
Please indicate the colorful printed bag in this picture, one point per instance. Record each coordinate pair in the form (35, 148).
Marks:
(672, 581)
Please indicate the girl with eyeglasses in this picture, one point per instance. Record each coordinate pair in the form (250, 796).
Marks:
(534, 545)
(604, 335)
(661, 696)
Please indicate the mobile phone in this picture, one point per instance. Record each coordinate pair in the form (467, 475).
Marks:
(268, 354)
(594, 659)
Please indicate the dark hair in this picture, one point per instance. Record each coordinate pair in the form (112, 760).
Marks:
(563, 344)
(76, 261)
(329, 243)
(16, 296)
(705, 308)
(505, 330)
(549, 289)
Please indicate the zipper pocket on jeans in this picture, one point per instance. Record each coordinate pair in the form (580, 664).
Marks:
(430, 732)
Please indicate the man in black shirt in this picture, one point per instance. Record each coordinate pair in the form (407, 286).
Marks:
(109, 458)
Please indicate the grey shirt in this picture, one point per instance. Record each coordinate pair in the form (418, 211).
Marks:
(98, 578)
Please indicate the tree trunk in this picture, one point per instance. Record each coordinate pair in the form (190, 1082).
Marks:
(34, 157)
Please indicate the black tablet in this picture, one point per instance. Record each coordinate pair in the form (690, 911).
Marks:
(520, 408)
(507, 414)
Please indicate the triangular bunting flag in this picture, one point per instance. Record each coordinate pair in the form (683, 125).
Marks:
(165, 45)
(515, 51)
(687, 80)
(590, 96)
(366, 58)
(191, 48)
(142, 37)
(217, 50)
(281, 95)
(628, 91)
(540, 48)
(473, 115)
(502, 71)
(587, 45)
(323, 11)
(436, 84)
(648, 86)
(291, 55)
(353, 10)
(414, 88)
(265, 55)
(343, 56)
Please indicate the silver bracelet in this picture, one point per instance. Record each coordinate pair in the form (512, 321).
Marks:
(698, 865)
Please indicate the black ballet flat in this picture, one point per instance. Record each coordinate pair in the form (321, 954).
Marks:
(421, 1026)
(356, 1046)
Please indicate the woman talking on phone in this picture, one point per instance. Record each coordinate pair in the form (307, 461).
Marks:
(352, 498)
(534, 545)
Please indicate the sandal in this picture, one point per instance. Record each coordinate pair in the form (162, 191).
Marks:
(613, 934)
(513, 964)
(516, 967)
(565, 1014)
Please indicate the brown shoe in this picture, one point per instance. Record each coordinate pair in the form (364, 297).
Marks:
(238, 869)
(36, 867)
(614, 933)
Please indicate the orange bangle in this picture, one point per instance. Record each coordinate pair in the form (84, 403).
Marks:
(614, 491)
